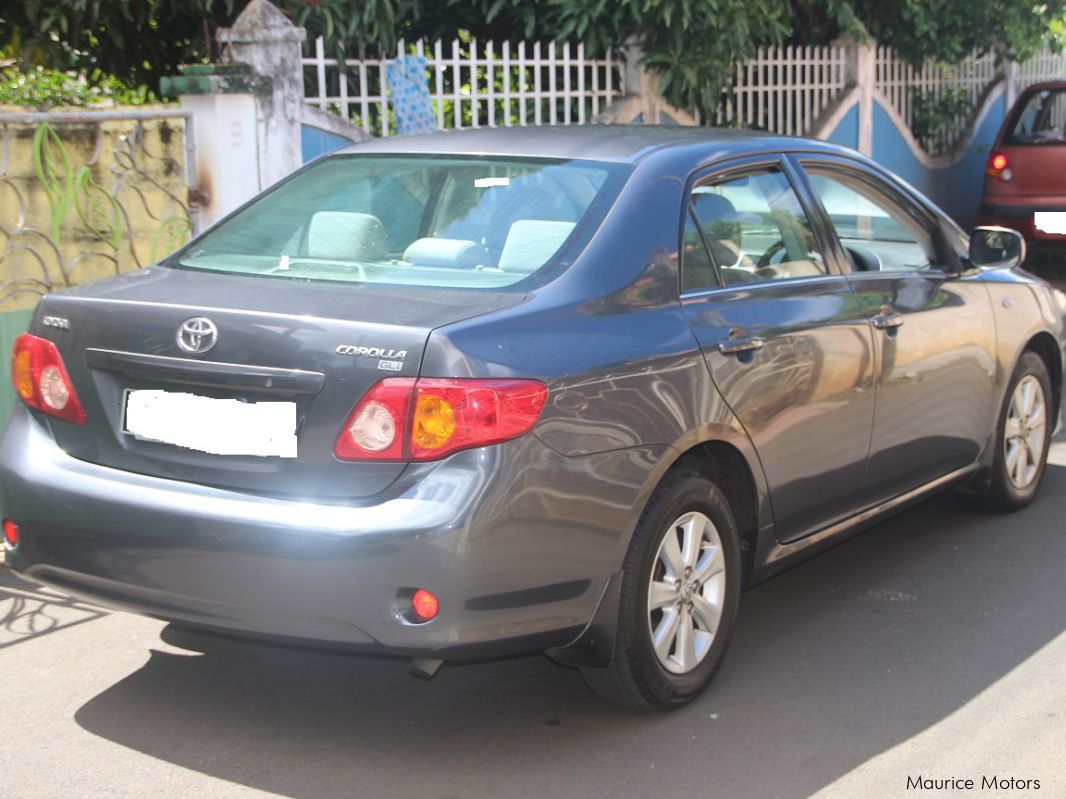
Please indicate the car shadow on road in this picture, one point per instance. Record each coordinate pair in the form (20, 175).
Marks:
(834, 662)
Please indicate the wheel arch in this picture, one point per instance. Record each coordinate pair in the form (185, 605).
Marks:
(725, 465)
(1044, 345)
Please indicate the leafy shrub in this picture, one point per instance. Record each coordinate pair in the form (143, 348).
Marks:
(42, 89)
(938, 120)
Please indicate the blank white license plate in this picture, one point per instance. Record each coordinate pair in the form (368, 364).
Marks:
(1050, 222)
(216, 426)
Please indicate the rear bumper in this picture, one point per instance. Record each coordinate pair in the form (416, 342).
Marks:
(1019, 216)
(321, 574)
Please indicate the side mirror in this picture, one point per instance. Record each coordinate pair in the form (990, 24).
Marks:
(996, 248)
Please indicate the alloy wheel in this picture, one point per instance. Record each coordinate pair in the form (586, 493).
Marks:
(1024, 432)
(686, 592)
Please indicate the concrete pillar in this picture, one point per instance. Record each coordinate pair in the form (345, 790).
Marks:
(642, 95)
(226, 155)
(1010, 83)
(266, 40)
(860, 71)
(246, 114)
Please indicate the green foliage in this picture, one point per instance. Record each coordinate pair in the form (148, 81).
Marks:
(42, 88)
(936, 117)
(693, 42)
(135, 40)
(98, 211)
(52, 165)
(942, 30)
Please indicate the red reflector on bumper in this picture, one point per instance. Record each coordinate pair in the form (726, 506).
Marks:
(11, 533)
(425, 605)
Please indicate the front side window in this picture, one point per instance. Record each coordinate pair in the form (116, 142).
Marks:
(877, 233)
(417, 220)
(755, 230)
(1041, 120)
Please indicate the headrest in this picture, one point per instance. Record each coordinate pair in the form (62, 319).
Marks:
(346, 236)
(456, 253)
(718, 216)
(531, 242)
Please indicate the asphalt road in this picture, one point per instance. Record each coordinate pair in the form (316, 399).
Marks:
(930, 647)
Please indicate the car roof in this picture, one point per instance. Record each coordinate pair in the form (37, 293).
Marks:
(622, 143)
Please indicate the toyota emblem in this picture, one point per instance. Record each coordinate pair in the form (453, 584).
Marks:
(198, 334)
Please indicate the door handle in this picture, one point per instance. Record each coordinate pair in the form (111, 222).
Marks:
(732, 346)
(887, 321)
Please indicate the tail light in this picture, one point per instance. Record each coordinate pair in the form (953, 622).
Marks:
(998, 168)
(41, 379)
(403, 418)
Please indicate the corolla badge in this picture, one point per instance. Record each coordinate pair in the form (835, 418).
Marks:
(389, 360)
(198, 334)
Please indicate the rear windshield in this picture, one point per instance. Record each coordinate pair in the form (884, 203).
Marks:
(429, 221)
(1041, 119)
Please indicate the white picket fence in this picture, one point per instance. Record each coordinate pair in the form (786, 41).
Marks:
(899, 81)
(781, 90)
(1043, 66)
(473, 84)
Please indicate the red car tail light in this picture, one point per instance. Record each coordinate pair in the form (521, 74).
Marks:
(997, 167)
(374, 430)
(429, 418)
(41, 379)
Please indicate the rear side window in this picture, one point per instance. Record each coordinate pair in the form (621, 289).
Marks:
(754, 229)
(418, 220)
(1040, 119)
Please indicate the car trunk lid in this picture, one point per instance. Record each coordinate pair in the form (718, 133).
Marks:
(319, 346)
(1036, 172)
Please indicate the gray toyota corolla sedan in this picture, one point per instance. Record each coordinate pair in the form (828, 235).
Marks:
(489, 392)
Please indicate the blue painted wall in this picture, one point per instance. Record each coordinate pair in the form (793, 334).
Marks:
(956, 188)
(315, 142)
(891, 151)
(961, 184)
(847, 132)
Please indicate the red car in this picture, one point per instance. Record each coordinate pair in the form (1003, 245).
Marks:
(1025, 177)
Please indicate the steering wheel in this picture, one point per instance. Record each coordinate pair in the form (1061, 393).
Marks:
(771, 252)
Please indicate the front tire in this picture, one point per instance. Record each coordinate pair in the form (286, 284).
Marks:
(678, 605)
(1023, 437)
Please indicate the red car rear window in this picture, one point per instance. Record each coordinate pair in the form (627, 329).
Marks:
(1039, 118)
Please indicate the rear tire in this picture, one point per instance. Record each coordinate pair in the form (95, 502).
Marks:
(1023, 437)
(678, 605)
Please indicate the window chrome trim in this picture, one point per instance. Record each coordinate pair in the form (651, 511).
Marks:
(764, 284)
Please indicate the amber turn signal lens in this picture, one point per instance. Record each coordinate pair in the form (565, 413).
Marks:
(434, 422)
(23, 375)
